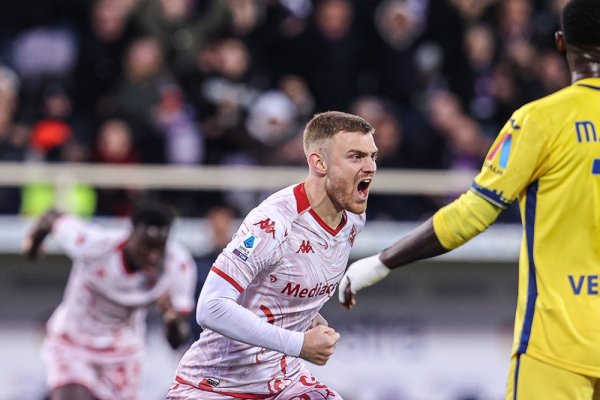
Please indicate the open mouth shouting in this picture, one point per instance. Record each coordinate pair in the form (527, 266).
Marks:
(363, 188)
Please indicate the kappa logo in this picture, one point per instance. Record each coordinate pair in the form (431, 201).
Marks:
(305, 247)
(352, 236)
(267, 225)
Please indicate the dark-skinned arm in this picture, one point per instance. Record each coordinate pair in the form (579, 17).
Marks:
(449, 228)
(33, 244)
(177, 330)
(419, 244)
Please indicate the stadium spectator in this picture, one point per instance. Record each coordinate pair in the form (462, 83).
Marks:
(329, 55)
(114, 145)
(102, 42)
(259, 306)
(493, 55)
(14, 136)
(181, 27)
(546, 158)
(95, 338)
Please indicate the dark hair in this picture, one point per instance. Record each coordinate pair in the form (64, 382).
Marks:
(152, 212)
(326, 125)
(581, 22)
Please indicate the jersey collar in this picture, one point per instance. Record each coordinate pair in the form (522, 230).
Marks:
(590, 83)
(302, 204)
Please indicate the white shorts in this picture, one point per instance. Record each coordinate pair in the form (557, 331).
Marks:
(305, 387)
(106, 375)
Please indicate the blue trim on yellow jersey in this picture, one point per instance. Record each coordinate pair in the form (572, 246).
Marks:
(530, 210)
(516, 382)
(490, 195)
(588, 86)
(596, 167)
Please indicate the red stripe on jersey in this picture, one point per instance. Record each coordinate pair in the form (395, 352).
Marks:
(268, 313)
(301, 198)
(330, 230)
(227, 278)
(206, 387)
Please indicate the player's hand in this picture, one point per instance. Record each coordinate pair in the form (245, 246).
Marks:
(166, 309)
(359, 275)
(319, 344)
(29, 250)
(32, 244)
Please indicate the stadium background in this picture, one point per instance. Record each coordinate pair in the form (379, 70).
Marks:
(171, 92)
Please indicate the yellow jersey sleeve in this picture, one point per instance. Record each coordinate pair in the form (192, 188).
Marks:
(515, 159)
(463, 219)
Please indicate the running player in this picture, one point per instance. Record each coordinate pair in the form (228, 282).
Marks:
(260, 304)
(548, 157)
(94, 342)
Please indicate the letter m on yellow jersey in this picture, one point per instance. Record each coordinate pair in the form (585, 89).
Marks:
(586, 132)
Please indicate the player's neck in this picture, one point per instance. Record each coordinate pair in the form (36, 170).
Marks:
(321, 203)
(131, 264)
(584, 62)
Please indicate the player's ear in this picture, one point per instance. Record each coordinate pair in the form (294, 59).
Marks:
(317, 163)
(559, 41)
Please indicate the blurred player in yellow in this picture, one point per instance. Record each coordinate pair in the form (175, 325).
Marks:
(547, 157)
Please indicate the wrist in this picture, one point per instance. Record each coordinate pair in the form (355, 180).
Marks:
(294, 344)
(367, 272)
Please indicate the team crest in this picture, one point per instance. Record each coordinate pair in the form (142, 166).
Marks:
(352, 236)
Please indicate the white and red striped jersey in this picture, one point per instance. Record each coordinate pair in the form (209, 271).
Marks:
(285, 262)
(105, 303)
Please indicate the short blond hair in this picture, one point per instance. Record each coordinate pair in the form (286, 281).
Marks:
(327, 124)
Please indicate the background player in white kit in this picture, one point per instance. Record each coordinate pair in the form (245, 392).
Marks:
(95, 337)
(260, 303)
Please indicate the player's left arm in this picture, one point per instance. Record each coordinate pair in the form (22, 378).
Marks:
(177, 329)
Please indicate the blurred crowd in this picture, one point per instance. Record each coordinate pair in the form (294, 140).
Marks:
(221, 82)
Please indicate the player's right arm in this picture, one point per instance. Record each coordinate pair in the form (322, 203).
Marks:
(33, 243)
(75, 236)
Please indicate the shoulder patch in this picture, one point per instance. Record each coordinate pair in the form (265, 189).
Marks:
(246, 246)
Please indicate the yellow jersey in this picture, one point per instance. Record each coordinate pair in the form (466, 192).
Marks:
(548, 157)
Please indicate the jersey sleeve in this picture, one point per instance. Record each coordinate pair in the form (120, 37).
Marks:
(75, 236)
(255, 246)
(183, 284)
(515, 160)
